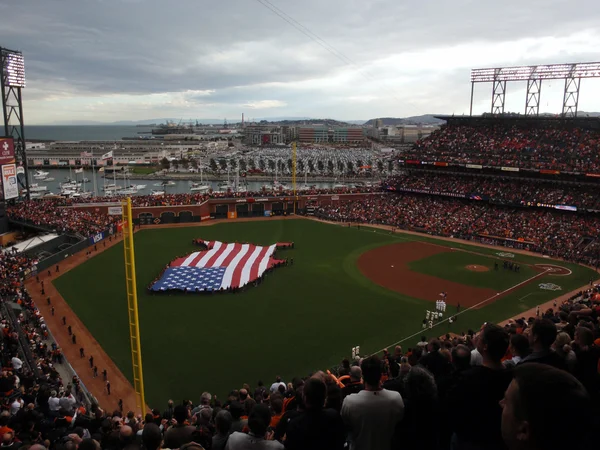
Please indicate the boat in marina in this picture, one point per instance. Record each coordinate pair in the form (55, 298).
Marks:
(197, 187)
(40, 174)
(153, 192)
(200, 187)
(37, 188)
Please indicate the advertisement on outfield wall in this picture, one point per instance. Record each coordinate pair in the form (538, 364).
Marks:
(115, 210)
(7, 150)
(9, 181)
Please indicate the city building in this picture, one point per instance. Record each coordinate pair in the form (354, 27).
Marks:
(264, 135)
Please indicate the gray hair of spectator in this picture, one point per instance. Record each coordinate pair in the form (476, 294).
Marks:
(205, 398)
(355, 373)
(419, 383)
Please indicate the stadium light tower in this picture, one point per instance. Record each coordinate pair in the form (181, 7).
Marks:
(12, 80)
(572, 73)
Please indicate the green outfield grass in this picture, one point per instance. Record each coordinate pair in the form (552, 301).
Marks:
(453, 267)
(302, 318)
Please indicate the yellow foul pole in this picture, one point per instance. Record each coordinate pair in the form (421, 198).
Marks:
(132, 306)
(294, 174)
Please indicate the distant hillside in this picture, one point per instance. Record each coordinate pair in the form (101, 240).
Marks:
(426, 119)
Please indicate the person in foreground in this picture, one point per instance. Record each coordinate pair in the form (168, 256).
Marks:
(316, 428)
(545, 408)
(258, 422)
(371, 415)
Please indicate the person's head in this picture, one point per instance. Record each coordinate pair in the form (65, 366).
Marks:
(561, 340)
(7, 438)
(205, 398)
(519, 345)
(88, 444)
(202, 436)
(345, 363)
(223, 421)
(249, 405)
(461, 357)
(276, 405)
(151, 436)
(492, 343)
(170, 403)
(315, 392)
(584, 337)
(355, 374)
(434, 345)
(420, 385)
(125, 433)
(243, 395)
(180, 413)
(259, 420)
(278, 379)
(537, 396)
(236, 409)
(543, 334)
(371, 371)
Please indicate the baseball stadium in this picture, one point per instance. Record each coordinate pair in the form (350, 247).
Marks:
(477, 253)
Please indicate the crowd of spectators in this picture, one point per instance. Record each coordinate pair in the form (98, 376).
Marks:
(555, 233)
(502, 387)
(550, 147)
(198, 198)
(50, 214)
(499, 388)
(514, 191)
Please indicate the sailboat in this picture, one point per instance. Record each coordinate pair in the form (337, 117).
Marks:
(199, 187)
(276, 185)
(305, 186)
(225, 186)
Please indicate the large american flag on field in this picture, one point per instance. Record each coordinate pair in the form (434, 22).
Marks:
(221, 266)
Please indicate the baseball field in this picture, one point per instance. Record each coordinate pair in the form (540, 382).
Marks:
(347, 287)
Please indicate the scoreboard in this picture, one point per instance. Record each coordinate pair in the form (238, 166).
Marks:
(13, 69)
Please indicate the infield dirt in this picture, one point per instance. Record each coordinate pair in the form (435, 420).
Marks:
(388, 267)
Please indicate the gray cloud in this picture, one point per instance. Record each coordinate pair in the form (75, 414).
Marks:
(91, 48)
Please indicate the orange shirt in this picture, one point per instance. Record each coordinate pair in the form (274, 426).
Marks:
(275, 420)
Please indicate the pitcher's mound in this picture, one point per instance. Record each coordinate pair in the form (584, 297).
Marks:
(475, 268)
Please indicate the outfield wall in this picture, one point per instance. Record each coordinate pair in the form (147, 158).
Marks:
(225, 208)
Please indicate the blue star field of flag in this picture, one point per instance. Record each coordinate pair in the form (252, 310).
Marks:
(186, 278)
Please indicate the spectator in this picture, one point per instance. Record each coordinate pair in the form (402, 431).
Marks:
(372, 415)
(258, 422)
(519, 349)
(542, 336)
(181, 432)
(316, 427)
(421, 404)
(355, 385)
(434, 362)
(275, 386)
(479, 390)
(223, 424)
(529, 413)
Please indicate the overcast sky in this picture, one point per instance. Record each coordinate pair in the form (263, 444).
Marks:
(109, 60)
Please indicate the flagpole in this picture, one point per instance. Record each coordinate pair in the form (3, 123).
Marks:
(94, 174)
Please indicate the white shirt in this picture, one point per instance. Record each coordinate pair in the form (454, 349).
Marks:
(275, 386)
(54, 403)
(15, 407)
(371, 417)
(243, 441)
(16, 363)
(476, 358)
